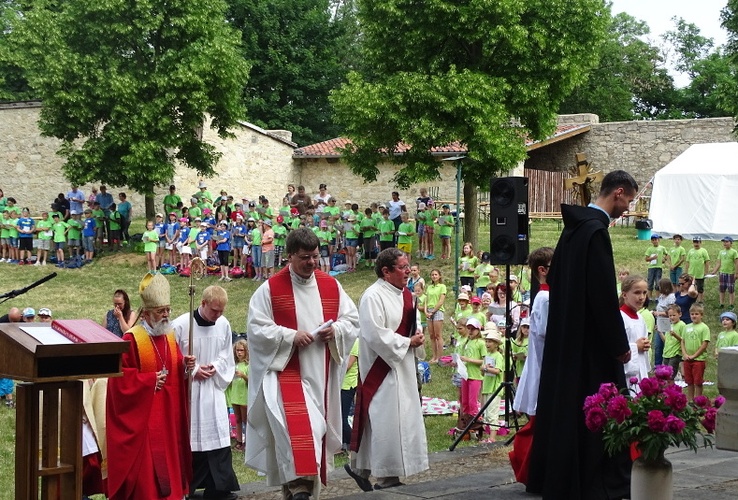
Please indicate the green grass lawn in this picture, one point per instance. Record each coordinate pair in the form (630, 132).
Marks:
(87, 293)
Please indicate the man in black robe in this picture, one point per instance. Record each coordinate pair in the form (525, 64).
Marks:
(586, 345)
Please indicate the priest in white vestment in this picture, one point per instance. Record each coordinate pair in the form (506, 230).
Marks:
(287, 331)
(210, 440)
(392, 440)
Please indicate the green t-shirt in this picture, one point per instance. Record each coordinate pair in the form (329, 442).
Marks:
(151, 240)
(60, 231)
(431, 215)
(726, 338)
(114, 221)
(368, 228)
(463, 313)
(518, 349)
(727, 260)
(170, 203)
(386, 230)
(44, 230)
(193, 237)
(474, 349)
(694, 335)
(351, 379)
(13, 222)
(351, 229)
(4, 231)
(491, 382)
(481, 275)
(677, 254)
(280, 235)
(433, 293)
(421, 217)
(445, 225)
(256, 237)
(656, 255)
(648, 319)
(468, 265)
(75, 229)
(238, 390)
(409, 229)
(99, 216)
(696, 259)
(195, 212)
(324, 238)
(672, 346)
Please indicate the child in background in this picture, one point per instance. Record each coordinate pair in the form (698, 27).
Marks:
(223, 246)
(238, 390)
(436, 296)
(151, 245)
(494, 280)
(43, 228)
(202, 241)
(183, 247)
(698, 263)
(26, 227)
(256, 257)
(463, 309)
(99, 215)
(673, 339)
(160, 228)
(420, 219)
(655, 256)
(351, 231)
(677, 255)
(115, 219)
(324, 246)
(520, 348)
(492, 370)
(59, 228)
(171, 236)
(467, 265)
(472, 354)
(280, 239)
(267, 249)
(623, 272)
(481, 274)
(89, 231)
(431, 214)
(478, 312)
(458, 338)
(348, 392)
(694, 351)
(728, 337)
(74, 235)
(386, 231)
(663, 325)
(419, 293)
(633, 296)
(239, 240)
(405, 233)
(445, 230)
(726, 264)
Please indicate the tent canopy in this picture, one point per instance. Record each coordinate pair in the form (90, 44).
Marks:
(697, 193)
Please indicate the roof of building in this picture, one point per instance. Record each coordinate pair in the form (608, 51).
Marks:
(331, 148)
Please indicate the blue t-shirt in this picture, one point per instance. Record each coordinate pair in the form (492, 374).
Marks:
(25, 223)
(171, 228)
(184, 233)
(224, 246)
(202, 237)
(88, 230)
(239, 231)
(124, 208)
(160, 228)
(210, 221)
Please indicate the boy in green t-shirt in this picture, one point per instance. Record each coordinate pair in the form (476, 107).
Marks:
(59, 228)
(729, 336)
(673, 339)
(74, 235)
(386, 231)
(43, 228)
(405, 233)
(726, 264)
(368, 230)
(114, 237)
(5, 235)
(280, 238)
(694, 351)
(655, 256)
(99, 215)
(150, 239)
(431, 214)
(677, 256)
(445, 230)
(698, 263)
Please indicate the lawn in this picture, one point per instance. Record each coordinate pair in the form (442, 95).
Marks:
(87, 293)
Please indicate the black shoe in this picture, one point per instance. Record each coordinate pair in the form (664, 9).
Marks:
(361, 482)
(398, 483)
(301, 496)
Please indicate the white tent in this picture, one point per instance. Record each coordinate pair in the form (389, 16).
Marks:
(697, 193)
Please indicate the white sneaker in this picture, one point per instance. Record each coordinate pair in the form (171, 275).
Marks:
(37, 263)
(2, 260)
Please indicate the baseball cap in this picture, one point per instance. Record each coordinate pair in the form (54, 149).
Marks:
(462, 296)
(73, 212)
(525, 321)
(173, 213)
(55, 215)
(421, 206)
(730, 315)
(655, 236)
(280, 219)
(268, 222)
(476, 300)
(445, 205)
(239, 217)
(197, 219)
(202, 185)
(45, 311)
(29, 312)
(204, 224)
(183, 219)
(160, 215)
(251, 219)
(474, 323)
(697, 239)
(88, 211)
(727, 238)
(487, 295)
(324, 223)
(322, 186)
(348, 202)
(514, 278)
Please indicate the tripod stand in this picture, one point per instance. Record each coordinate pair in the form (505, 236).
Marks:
(506, 387)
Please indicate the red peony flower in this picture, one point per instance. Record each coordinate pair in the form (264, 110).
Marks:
(617, 408)
(701, 401)
(649, 386)
(674, 424)
(595, 419)
(608, 390)
(656, 421)
(663, 372)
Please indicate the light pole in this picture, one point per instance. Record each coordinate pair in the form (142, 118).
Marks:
(458, 160)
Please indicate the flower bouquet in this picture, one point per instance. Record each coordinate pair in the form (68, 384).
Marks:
(653, 419)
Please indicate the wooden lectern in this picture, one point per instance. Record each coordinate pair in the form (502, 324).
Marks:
(51, 365)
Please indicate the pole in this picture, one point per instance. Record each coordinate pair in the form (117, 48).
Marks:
(458, 212)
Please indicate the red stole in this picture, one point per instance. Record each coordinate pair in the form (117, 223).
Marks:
(290, 380)
(366, 389)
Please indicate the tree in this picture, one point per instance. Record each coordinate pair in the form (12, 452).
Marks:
(13, 83)
(126, 84)
(483, 74)
(296, 50)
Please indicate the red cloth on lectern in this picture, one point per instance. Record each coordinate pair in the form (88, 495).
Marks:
(520, 454)
(149, 453)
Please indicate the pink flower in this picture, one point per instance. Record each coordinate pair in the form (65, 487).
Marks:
(608, 390)
(617, 408)
(649, 386)
(709, 421)
(593, 400)
(701, 401)
(675, 398)
(595, 419)
(633, 380)
(663, 372)
(674, 424)
(719, 401)
(656, 421)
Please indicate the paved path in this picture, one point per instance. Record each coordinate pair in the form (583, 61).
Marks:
(484, 472)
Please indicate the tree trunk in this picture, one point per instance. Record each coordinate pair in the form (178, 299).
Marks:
(471, 214)
(150, 208)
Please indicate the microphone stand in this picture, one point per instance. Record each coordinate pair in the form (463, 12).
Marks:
(15, 293)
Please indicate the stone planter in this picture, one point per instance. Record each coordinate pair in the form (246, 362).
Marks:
(651, 479)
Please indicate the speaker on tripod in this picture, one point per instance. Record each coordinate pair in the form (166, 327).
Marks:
(508, 208)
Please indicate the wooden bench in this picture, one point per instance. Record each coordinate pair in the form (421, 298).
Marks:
(547, 215)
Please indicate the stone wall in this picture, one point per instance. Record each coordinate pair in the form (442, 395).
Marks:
(255, 162)
(639, 147)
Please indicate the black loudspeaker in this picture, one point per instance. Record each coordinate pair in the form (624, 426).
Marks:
(508, 211)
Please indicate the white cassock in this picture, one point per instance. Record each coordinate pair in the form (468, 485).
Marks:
(526, 397)
(639, 364)
(393, 443)
(268, 447)
(212, 345)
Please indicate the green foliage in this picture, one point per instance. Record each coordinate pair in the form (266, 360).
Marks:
(13, 83)
(127, 85)
(483, 74)
(296, 49)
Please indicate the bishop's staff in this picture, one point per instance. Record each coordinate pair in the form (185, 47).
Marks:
(197, 272)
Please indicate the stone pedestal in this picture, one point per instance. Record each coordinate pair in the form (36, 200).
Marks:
(726, 430)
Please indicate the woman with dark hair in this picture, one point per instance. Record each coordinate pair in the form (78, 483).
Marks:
(120, 318)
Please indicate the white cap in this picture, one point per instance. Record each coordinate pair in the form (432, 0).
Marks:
(473, 322)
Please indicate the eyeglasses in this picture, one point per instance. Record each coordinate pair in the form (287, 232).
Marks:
(403, 268)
